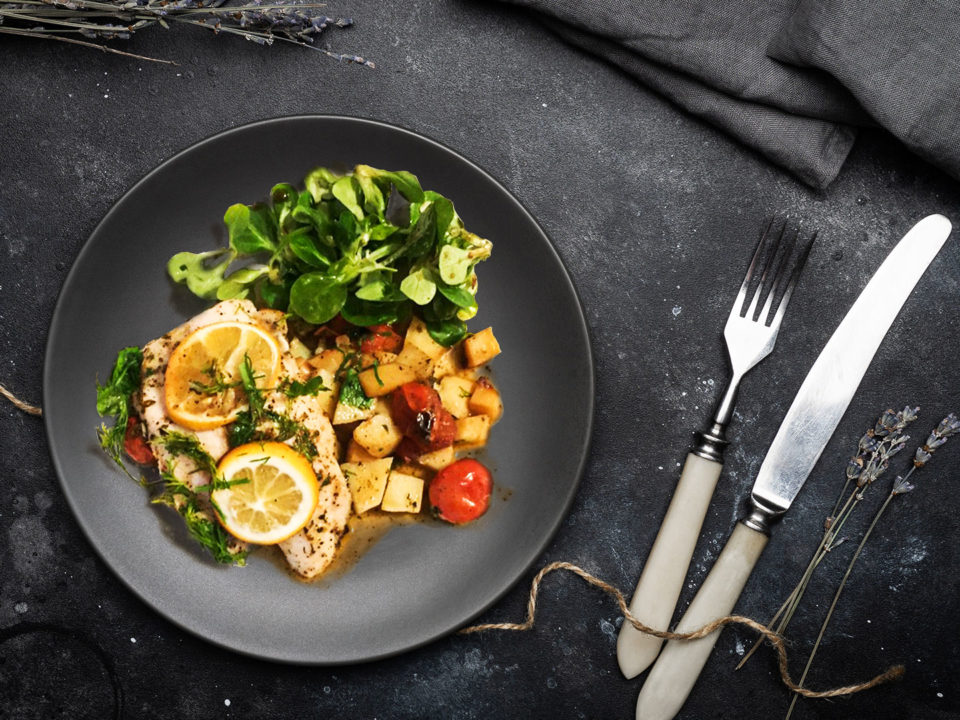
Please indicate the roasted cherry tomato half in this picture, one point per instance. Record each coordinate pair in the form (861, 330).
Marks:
(460, 493)
(382, 338)
(134, 444)
(418, 412)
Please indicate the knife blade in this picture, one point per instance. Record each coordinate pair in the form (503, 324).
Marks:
(807, 427)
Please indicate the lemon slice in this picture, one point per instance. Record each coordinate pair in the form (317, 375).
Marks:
(271, 492)
(202, 385)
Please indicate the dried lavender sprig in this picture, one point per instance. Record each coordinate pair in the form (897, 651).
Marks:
(948, 426)
(98, 20)
(874, 450)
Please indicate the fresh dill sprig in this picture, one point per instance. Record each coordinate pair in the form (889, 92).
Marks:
(113, 400)
(178, 443)
(218, 384)
(202, 528)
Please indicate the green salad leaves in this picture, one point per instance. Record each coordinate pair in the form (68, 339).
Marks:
(371, 246)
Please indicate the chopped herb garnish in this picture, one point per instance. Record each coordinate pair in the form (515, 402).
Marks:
(218, 383)
(113, 400)
(351, 391)
(295, 388)
(202, 528)
(177, 443)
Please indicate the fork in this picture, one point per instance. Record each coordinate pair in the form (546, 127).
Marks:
(750, 335)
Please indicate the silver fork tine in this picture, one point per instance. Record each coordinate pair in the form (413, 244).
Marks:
(737, 309)
(792, 282)
(786, 251)
(768, 260)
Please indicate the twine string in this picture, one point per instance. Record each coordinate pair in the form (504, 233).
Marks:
(893, 673)
(20, 404)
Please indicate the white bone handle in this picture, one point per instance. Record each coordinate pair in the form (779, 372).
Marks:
(678, 667)
(663, 574)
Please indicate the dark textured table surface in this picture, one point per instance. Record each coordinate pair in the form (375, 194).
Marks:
(655, 215)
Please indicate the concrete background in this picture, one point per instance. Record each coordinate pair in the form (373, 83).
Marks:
(655, 215)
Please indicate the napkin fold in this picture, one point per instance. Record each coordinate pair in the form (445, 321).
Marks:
(792, 79)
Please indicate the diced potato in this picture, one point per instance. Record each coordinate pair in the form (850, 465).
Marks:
(384, 357)
(383, 379)
(486, 401)
(472, 432)
(330, 360)
(378, 435)
(450, 363)
(404, 493)
(343, 342)
(349, 413)
(357, 454)
(454, 393)
(367, 482)
(480, 348)
(327, 399)
(438, 459)
(410, 469)
(419, 337)
(420, 351)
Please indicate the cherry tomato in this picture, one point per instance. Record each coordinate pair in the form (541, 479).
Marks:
(460, 493)
(418, 412)
(134, 444)
(382, 338)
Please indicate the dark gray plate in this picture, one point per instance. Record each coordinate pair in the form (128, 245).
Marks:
(420, 581)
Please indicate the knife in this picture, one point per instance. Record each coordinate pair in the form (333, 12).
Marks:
(807, 427)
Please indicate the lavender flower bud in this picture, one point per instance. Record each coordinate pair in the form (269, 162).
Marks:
(901, 486)
(854, 468)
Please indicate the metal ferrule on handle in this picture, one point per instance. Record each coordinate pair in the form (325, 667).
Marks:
(711, 443)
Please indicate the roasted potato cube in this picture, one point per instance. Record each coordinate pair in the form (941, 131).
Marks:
(327, 399)
(367, 482)
(349, 413)
(480, 348)
(330, 360)
(419, 337)
(450, 363)
(472, 432)
(486, 400)
(454, 393)
(404, 493)
(410, 469)
(438, 459)
(420, 351)
(382, 379)
(378, 435)
(357, 454)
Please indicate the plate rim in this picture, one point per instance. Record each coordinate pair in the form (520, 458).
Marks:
(581, 325)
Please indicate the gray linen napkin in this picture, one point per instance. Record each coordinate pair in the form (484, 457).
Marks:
(791, 79)
(710, 59)
(899, 58)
